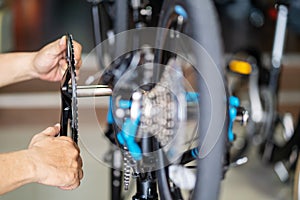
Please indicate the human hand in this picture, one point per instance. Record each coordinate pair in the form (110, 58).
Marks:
(49, 63)
(56, 160)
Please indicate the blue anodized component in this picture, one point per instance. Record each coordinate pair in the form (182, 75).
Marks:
(191, 96)
(234, 103)
(125, 104)
(195, 152)
(181, 11)
(110, 117)
(127, 137)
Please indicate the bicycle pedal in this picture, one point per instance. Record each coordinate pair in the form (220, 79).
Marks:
(240, 67)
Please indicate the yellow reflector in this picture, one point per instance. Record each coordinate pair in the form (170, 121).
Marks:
(240, 67)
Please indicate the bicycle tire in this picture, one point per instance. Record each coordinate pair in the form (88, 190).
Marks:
(206, 33)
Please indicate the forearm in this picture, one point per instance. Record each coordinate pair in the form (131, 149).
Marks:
(16, 170)
(16, 67)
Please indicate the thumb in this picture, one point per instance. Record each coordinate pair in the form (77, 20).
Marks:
(59, 46)
(62, 43)
(52, 131)
(56, 47)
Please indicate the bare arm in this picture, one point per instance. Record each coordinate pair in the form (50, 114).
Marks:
(16, 170)
(49, 160)
(46, 64)
(16, 67)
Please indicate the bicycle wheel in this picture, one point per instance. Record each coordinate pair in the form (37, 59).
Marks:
(202, 26)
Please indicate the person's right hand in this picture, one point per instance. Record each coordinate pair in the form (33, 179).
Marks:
(56, 160)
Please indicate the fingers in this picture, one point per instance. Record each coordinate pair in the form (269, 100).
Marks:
(77, 177)
(76, 182)
(77, 54)
(57, 47)
(62, 43)
(52, 131)
(80, 174)
(80, 163)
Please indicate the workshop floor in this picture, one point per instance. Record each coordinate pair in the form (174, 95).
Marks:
(250, 181)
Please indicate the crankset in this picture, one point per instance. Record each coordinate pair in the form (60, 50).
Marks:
(70, 93)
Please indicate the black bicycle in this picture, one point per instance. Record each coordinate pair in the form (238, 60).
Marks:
(168, 120)
(273, 131)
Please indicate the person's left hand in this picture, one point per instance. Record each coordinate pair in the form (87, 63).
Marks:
(49, 63)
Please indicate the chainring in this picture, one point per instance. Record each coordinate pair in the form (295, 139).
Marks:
(69, 94)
